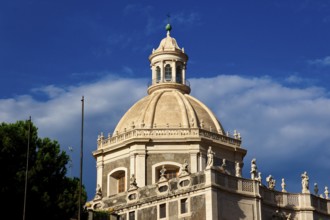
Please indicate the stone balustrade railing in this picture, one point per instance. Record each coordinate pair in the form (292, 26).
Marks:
(165, 132)
(274, 198)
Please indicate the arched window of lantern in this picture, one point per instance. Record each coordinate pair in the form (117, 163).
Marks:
(157, 74)
(117, 181)
(168, 72)
(179, 74)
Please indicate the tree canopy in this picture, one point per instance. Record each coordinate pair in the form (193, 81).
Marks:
(50, 193)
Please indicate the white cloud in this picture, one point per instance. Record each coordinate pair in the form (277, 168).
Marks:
(285, 128)
(277, 123)
(294, 79)
(51, 91)
(320, 62)
(190, 19)
(268, 111)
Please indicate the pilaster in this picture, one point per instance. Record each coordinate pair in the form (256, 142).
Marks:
(305, 203)
(193, 163)
(138, 164)
(211, 197)
(99, 171)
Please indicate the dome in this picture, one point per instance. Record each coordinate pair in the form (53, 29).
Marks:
(169, 108)
(168, 44)
(168, 104)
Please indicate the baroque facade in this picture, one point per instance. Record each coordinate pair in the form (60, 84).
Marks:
(170, 158)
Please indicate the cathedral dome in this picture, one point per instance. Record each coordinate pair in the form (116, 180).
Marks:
(169, 108)
(168, 104)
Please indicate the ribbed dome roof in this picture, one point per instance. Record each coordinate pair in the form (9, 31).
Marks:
(168, 44)
(169, 108)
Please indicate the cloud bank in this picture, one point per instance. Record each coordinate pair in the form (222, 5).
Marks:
(285, 128)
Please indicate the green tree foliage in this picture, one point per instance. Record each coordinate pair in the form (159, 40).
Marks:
(50, 193)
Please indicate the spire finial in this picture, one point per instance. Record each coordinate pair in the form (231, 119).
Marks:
(168, 26)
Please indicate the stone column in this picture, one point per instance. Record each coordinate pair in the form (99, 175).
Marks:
(162, 79)
(184, 74)
(153, 73)
(173, 65)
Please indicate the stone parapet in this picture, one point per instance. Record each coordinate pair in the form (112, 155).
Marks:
(168, 133)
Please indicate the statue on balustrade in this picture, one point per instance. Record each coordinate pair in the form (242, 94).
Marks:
(305, 182)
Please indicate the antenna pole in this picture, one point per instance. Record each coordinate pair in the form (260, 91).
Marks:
(27, 167)
(81, 155)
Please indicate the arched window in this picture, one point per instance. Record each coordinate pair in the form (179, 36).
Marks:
(117, 181)
(157, 74)
(170, 173)
(172, 170)
(168, 72)
(179, 74)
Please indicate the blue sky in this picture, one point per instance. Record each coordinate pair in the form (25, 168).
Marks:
(261, 66)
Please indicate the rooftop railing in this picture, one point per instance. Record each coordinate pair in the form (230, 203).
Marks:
(165, 132)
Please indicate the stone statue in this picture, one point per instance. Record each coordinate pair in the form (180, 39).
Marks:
(316, 189)
(210, 160)
(326, 192)
(133, 184)
(184, 168)
(305, 182)
(238, 171)
(271, 182)
(223, 165)
(283, 184)
(254, 170)
(162, 171)
(98, 193)
(278, 215)
(259, 178)
(162, 174)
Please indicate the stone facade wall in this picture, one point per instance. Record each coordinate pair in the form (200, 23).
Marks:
(231, 206)
(197, 207)
(147, 213)
(173, 210)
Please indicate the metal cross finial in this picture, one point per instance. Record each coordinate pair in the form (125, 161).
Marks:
(168, 26)
(168, 17)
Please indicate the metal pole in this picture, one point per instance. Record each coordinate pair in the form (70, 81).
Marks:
(70, 161)
(27, 167)
(81, 155)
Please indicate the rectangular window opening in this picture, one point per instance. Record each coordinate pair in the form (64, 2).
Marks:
(184, 206)
(131, 215)
(162, 210)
